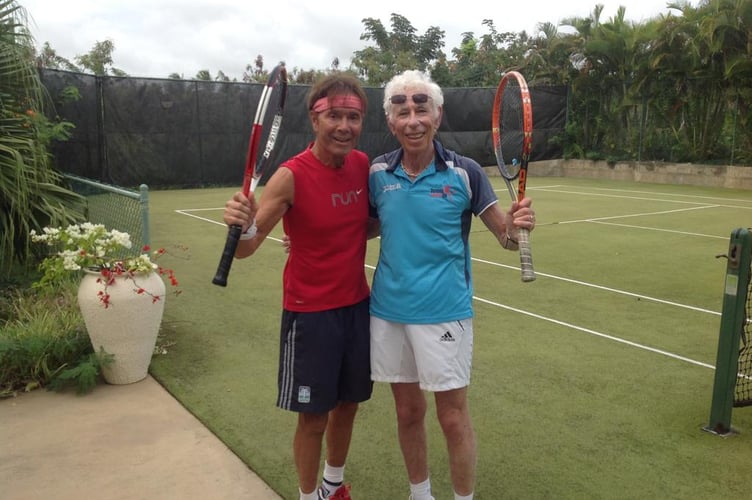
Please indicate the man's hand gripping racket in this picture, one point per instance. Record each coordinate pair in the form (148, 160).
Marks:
(512, 131)
(253, 171)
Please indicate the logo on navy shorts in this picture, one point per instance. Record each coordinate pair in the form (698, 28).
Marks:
(304, 394)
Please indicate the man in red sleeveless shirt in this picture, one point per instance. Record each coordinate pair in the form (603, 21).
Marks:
(321, 195)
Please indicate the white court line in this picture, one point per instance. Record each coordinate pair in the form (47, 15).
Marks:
(598, 334)
(186, 212)
(651, 192)
(720, 205)
(599, 220)
(643, 214)
(607, 289)
(538, 187)
(641, 198)
(686, 233)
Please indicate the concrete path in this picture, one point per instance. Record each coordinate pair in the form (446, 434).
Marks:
(124, 442)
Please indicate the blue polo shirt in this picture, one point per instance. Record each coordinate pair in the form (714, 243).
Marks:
(424, 271)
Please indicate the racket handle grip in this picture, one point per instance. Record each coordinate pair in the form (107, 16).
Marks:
(526, 256)
(228, 254)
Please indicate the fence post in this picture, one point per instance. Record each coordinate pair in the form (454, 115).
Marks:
(144, 200)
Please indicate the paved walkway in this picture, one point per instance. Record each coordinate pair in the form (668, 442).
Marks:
(129, 442)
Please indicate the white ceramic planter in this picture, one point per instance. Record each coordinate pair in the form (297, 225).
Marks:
(128, 327)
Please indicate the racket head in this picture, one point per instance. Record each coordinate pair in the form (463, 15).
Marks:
(512, 127)
(512, 133)
(277, 83)
(273, 97)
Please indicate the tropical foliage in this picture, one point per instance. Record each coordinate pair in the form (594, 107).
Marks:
(42, 339)
(31, 195)
(675, 88)
(396, 51)
(99, 60)
(43, 342)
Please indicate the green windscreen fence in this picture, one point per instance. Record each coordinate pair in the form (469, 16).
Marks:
(184, 133)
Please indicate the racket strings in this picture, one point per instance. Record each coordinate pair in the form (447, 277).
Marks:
(512, 129)
(269, 120)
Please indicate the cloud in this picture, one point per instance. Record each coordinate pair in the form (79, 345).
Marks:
(154, 38)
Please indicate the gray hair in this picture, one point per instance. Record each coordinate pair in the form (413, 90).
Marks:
(412, 80)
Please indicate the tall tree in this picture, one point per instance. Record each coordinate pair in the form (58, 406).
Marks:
(99, 60)
(255, 72)
(395, 51)
(48, 58)
(204, 75)
(481, 62)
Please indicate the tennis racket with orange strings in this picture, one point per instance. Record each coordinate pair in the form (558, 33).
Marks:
(512, 131)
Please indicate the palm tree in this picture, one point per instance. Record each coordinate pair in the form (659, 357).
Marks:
(549, 60)
(730, 32)
(31, 195)
(685, 58)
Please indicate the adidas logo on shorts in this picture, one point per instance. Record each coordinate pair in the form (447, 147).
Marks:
(447, 337)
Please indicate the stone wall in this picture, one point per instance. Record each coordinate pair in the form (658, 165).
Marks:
(733, 177)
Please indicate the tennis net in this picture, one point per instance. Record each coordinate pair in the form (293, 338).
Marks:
(743, 391)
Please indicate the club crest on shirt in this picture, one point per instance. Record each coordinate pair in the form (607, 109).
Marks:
(441, 192)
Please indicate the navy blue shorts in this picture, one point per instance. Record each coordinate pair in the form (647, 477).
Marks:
(324, 359)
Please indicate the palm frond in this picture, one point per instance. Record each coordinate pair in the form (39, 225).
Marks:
(31, 195)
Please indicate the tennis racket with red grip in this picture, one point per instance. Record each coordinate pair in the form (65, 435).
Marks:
(277, 84)
(512, 131)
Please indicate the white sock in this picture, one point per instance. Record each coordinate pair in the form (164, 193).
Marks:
(421, 491)
(457, 496)
(314, 495)
(334, 475)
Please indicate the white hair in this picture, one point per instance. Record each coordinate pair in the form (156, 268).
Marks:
(412, 80)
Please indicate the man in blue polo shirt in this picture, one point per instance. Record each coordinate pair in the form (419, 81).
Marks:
(424, 197)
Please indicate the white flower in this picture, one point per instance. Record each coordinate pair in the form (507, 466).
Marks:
(70, 262)
(92, 246)
(122, 239)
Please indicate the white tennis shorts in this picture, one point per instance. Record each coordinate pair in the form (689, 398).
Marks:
(438, 356)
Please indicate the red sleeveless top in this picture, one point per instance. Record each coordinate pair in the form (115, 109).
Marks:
(327, 225)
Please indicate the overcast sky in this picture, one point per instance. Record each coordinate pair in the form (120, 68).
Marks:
(154, 38)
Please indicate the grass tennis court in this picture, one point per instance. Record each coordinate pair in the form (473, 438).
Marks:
(594, 381)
